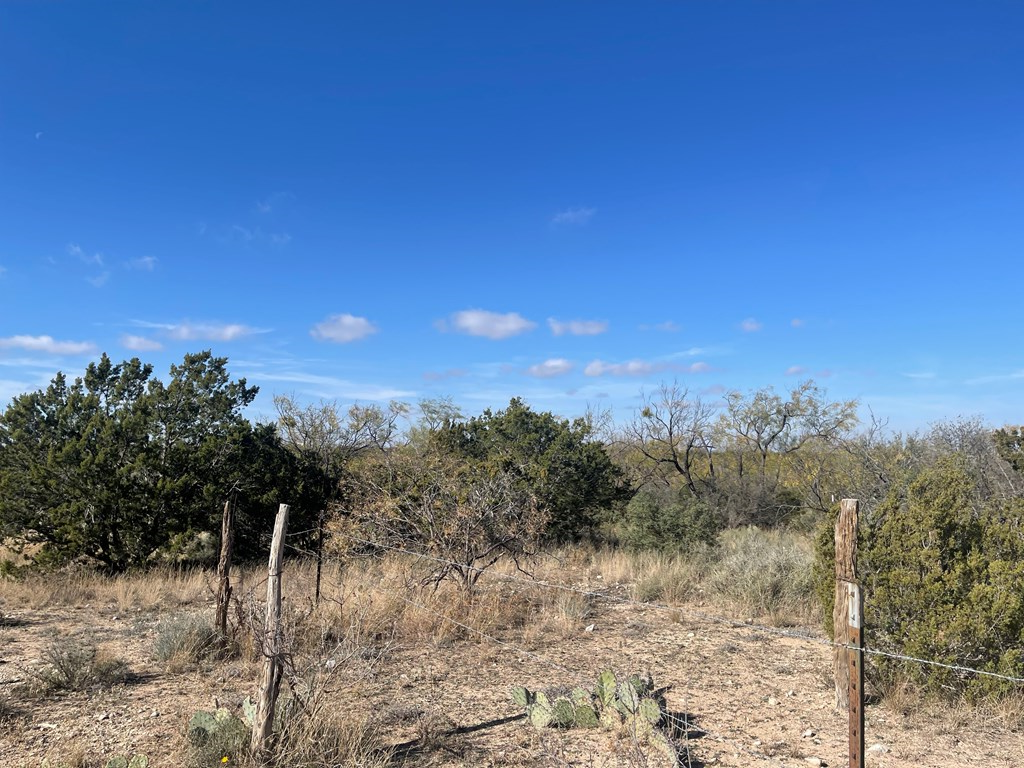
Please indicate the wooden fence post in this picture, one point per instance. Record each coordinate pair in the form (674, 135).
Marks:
(848, 621)
(263, 722)
(227, 536)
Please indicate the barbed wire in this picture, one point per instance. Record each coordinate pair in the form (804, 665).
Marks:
(690, 612)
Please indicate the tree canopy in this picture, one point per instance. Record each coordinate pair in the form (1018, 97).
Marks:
(117, 464)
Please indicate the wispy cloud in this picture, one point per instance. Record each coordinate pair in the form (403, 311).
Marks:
(629, 368)
(190, 331)
(638, 367)
(573, 216)
(254, 236)
(93, 260)
(920, 375)
(99, 280)
(994, 378)
(750, 325)
(3, 270)
(795, 370)
(556, 366)
(451, 373)
(143, 263)
(343, 328)
(577, 327)
(333, 387)
(666, 327)
(797, 322)
(491, 325)
(140, 343)
(48, 345)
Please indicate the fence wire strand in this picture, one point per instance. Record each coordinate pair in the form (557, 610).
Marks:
(693, 614)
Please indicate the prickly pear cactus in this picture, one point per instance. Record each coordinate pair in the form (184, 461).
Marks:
(605, 690)
(138, 761)
(540, 712)
(522, 696)
(563, 713)
(220, 724)
(117, 762)
(249, 711)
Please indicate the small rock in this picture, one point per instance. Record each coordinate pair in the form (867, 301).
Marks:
(103, 716)
(810, 733)
(878, 749)
(791, 693)
(815, 761)
(154, 713)
(47, 726)
(589, 628)
(689, 634)
(772, 701)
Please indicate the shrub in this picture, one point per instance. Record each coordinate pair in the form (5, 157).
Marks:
(72, 665)
(186, 639)
(669, 520)
(765, 572)
(944, 576)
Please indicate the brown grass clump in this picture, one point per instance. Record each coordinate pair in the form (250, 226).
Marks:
(73, 665)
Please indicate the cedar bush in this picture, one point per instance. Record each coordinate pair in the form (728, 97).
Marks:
(943, 569)
(664, 519)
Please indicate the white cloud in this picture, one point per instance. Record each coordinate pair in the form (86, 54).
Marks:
(699, 367)
(577, 327)
(796, 322)
(575, 216)
(140, 343)
(47, 344)
(922, 375)
(796, 370)
(3, 271)
(492, 325)
(343, 329)
(143, 263)
(99, 280)
(188, 331)
(554, 367)
(629, 368)
(750, 325)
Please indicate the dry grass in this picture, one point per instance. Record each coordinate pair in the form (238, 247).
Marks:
(157, 590)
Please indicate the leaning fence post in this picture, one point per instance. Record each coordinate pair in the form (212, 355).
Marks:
(263, 722)
(224, 570)
(848, 622)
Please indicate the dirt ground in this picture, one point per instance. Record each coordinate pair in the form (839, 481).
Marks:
(747, 698)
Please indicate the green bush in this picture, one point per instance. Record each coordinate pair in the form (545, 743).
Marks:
(945, 581)
(665, 519)
(943, 574)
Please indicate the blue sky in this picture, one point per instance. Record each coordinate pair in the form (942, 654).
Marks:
(567, 201)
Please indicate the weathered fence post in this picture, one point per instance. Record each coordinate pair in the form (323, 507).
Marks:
(848, 622)
(263, 722)
(224, 569)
